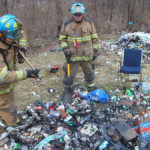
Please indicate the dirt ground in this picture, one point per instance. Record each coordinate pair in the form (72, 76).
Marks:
(34, 89)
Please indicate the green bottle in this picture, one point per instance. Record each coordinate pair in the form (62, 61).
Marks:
(69, 111)
(129, 93)
(16, 146)
(69, 123)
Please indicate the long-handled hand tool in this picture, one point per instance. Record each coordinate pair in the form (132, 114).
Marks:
(67, 94)
(39, 75)
(68, 71)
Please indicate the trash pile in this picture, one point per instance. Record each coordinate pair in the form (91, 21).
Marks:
(136, 40)
(122, 123)
(108, 46)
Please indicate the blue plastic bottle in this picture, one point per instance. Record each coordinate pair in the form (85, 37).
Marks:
(103, 145)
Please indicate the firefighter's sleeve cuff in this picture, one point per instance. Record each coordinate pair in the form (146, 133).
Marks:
(65, 48)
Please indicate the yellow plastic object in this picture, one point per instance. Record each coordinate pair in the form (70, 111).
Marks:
(68, 68)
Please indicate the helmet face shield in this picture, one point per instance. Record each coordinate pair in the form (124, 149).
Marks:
(14, 33)
(77, 8)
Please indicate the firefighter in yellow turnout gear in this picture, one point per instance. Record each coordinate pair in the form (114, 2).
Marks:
(12, 38)
(79, 41)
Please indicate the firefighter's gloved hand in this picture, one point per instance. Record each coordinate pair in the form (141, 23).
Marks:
(95, 54)
(33, 73)
(20, 58)
(67, 53)
(94, 57)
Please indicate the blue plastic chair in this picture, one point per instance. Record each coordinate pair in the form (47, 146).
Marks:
(131, 62)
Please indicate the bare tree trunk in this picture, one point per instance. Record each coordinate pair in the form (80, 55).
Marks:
(6, 6)
(43, 18)
(59, 17)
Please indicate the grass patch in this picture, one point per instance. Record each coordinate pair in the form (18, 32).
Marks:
(106, 74)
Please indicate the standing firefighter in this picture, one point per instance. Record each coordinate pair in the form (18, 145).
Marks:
(12, 38)
(79, 41)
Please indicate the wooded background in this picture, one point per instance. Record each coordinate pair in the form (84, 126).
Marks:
(43, 18)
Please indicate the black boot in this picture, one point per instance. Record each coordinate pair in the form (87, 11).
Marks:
(67, 95)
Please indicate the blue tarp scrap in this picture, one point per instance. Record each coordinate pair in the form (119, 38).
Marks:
(97, 95)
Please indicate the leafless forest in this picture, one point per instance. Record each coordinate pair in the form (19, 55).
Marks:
(43, 18)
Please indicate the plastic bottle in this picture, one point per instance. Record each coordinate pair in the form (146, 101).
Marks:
(16, 146)
(136, 148)
(68, 120)
(129, 93)
(143, 115)
(28, 122)
(103, 145)
(63, 115)
(69, 111)
(125, 107)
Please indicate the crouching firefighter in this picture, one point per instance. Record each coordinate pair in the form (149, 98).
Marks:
(12, 37)
(79, 41)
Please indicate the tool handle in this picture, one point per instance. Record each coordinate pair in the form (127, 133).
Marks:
(68, 70)
(39, 75)
(68, 66)
(26, 60)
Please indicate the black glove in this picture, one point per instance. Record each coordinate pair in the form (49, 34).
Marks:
(20, 58)
(67, 53)
(33, 73)
(95, 54)
(94, 57)
(93, 67)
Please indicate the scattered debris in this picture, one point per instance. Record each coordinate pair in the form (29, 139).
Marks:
(34, 94)
(53, 50)
(54, 69)
(136, 40)
(118, 124)
(51, 90)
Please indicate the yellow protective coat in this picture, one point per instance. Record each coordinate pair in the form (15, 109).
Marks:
(8, 79)
(22, 42)
(87, 39)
